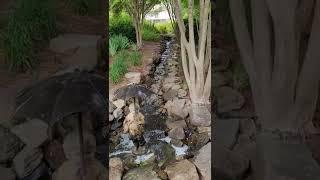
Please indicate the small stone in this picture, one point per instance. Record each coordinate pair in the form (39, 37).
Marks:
(176, 107)
(176, 142)
(111, 117)
(7, 174)
(133, 77)
(119, 103)
(118, 113)
(200, 115)
(27, 161)
(116, 168)
(182, 93)
(174, 124)
(54, 154)
(203, 163)
(10, 145)
(177, 133)
(33, 132)
(169, 95)
(182, 170)
(141, 173)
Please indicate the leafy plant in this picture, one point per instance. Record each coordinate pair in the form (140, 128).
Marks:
(164, 28)
(118, 68)
(117, 43)
(136, 58)
(122, 25)
(32, 22)
(150, 32)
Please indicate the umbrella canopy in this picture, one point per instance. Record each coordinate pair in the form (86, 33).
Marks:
(56, 97)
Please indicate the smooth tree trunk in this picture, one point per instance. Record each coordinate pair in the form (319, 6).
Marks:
(196, 59)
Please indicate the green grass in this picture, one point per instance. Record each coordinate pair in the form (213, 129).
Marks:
(118, 43)
(136, 58)
(118, 68)
(32, 22)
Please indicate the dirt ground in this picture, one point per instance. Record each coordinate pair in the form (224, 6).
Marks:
(148, 52)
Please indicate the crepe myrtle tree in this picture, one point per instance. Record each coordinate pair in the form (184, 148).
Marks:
(137, 9)
(196, 58)
(283, 65)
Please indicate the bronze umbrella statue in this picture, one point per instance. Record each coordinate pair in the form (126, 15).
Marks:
(56, 97)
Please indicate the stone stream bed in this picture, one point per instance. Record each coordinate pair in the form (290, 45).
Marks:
(173, 148)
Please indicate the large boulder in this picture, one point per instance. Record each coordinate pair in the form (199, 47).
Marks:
(200, 115)
(116, 168)
(141, 173)
(176, 108)
(203, 163)
(182, 170)
(177, 133)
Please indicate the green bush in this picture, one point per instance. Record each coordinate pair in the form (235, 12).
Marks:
(164, 28)
(117, 43)
(150, 32)
(32, 22)
(122, 25)
(118, 68)
(136, 58)
(83, 7)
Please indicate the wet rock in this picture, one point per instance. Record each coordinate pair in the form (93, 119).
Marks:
(120, 103)
(226, 131)
(228, 99)
(133, 77)
(116, 168)
(33, 132)
(182, 170)
(10, 145)
(177, 133)
(7, 174)
(176, 142)
(228, 164)
(196, 140)
(133, 90)
(176, 107)
(71, 145)
(27, 161)
(141, 173)
(247, 126)
(163, 151)
(54, 154)
(169, 95)
(203, 163)
(182, 93)
(112, 107)
(174, 124)
(111, 117)
(118, 113)
(71, 168)
(200, 115)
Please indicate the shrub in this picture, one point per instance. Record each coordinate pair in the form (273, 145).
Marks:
(118, 68)
(150, 32)
(117, 43)
(136, 58)
(122, 25)
(33, 21)
(164, 28)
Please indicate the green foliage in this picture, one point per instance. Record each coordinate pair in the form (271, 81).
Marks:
(122, 24)
(150, 32)
(32, 22)
(240, 76)
(136, 58)
(117, 43)
(164, 28)
(118, 68)
(84, 7)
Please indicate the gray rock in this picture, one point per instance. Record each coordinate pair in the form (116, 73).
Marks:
(228, 164)
(33, 132)
(169, 95)
(177, 133)
(174, 124)
(112, 107)
(163, 151)
(286, 159)
(27, 161)
(176, 142)
(176, 107)
(7, 174)
(120, 103)
(141, 173)
(203, 163)
(133, 77)
(10, 145)
(226, 131)
(182, 93)
(118, 113)
(111, 117)
(116, 168)
(228, 99)
(182, 170)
